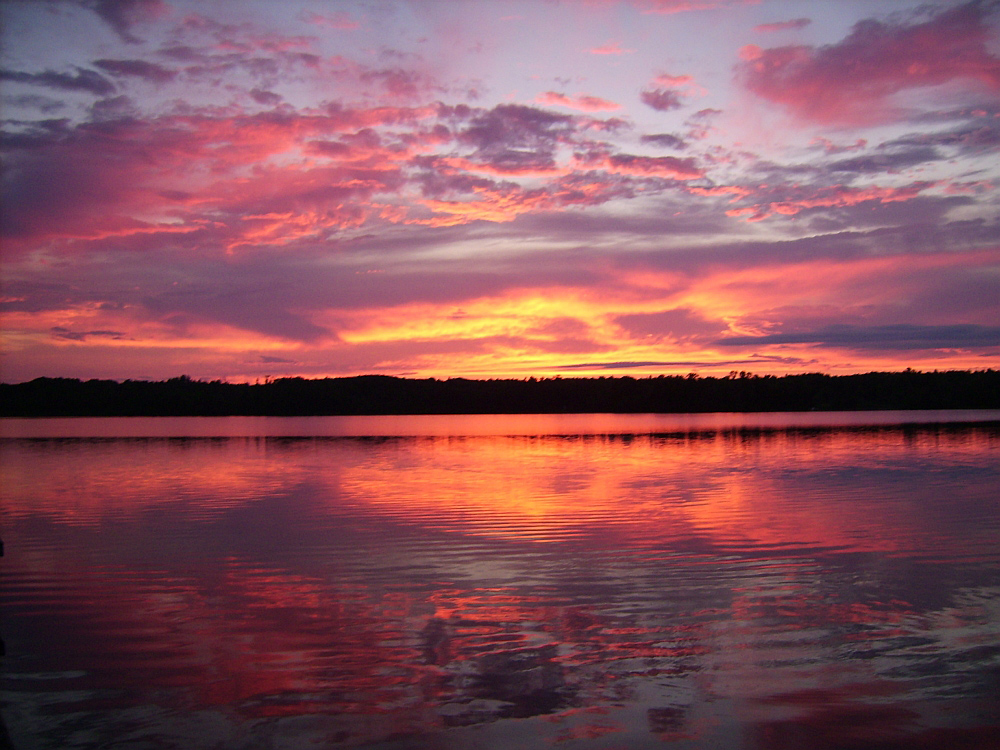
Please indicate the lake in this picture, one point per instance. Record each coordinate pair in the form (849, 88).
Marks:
(751, 581)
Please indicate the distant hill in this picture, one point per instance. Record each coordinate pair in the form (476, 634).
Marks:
(379, 394)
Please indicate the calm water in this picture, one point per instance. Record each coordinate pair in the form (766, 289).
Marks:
(600, 581)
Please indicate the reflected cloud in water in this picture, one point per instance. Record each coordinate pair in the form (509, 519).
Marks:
(742, 588)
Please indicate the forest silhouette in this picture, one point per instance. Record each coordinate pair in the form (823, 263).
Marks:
(381, 394)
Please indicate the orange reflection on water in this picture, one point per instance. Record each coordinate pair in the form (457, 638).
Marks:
(779, 491)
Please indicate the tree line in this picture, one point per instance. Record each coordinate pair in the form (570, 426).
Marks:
(380, 394)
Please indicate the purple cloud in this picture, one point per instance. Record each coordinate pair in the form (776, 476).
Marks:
(60, 332)
(901, 336)
(666, 140)
(662, 100)
(509, 126)
(122, 15)
(81, 80)
(137, 69)
(794, 24)
(267, 98)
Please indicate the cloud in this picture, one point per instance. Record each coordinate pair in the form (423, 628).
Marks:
(516, 126)
(512, 139)
(340, 21)
(790, 200)
(885, 160)
(669, 167)
(669, 7)
(399, 83)
(668, 92)
(665, 79)
(43, 104)
(283, 201)
(122, 15)
(582, 103)
(735, 191)
(81, 80)
(113, 108)
(665, 140)
(240, 304)
(60, 332)
(138, 69)
(244, 37)
(267, 98)
(853, 81)
(796, 23)
(679, 323)
(757, 360)
(611, 48)
(982, 134)
(698, 123)
(623, 365)
(829, 147)
(901, 336)
(662, 100)
(89, 181)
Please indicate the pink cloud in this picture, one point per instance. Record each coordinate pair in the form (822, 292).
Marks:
(665, 79)
(499, 204)
(183, 180)
(339, 20)
(829, 197)
(186, 175)
(852, 82)
(669, 7)
(734, 190)
(118, 225)
(611, 48)
(582, 103)
(797, 23)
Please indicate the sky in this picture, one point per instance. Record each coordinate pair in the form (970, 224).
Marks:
(481, 189)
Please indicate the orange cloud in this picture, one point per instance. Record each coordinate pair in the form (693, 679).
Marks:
(496, 206)
(734, 190)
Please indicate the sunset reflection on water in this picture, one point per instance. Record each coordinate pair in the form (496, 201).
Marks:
(732, 589)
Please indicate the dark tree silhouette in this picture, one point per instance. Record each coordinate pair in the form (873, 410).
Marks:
(380, 394)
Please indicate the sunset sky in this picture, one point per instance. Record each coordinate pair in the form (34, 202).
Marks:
(450, 188)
